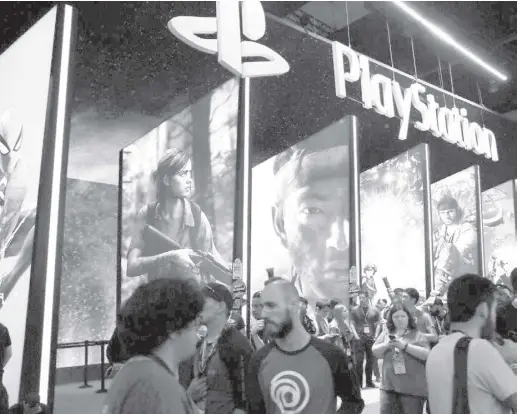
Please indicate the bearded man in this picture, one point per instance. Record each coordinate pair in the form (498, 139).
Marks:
(455, 245)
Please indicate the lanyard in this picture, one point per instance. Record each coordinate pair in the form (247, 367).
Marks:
(204, 356)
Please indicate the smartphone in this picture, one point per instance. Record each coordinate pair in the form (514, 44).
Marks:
(392, 337)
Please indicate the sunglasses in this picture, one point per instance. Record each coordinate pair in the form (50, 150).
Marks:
(215, 295)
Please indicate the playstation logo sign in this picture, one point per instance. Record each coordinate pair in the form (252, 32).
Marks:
(231, 17)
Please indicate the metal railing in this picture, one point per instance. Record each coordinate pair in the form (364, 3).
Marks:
(86, 345)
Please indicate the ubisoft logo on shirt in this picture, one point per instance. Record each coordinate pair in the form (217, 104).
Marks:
(290, 392)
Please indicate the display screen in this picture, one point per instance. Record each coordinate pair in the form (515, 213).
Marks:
(24, 84)
(392, 211)
(300, 216)
(454, 223)
(88, 293)
(178, 185)
(499, 220)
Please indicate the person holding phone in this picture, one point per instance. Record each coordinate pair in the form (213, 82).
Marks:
(404, 351)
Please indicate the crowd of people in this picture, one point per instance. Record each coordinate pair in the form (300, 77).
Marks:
(181, 352)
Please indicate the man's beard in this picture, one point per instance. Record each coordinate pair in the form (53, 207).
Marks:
(283, 328)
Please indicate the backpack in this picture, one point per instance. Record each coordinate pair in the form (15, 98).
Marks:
(460, 404)
(194, 231)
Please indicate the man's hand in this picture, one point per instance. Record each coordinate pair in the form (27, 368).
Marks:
(197, 389)
(184, 258)
(257, 326)
(399, 344)
(330, 337)
(508, 350)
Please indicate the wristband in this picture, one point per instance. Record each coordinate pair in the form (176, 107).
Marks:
(405, 347)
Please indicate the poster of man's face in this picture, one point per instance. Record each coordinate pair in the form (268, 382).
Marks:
(300, 216)
(455, 234)
(499, 220)
(392, 215)
(178, 184)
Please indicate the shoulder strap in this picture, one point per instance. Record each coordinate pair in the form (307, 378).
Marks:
(460, 377)
(150, 212)
(196, 213)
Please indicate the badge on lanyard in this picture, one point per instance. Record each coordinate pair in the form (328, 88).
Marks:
(399, 363)
(366, 330)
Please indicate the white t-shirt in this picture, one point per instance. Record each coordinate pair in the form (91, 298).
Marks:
(490, 380)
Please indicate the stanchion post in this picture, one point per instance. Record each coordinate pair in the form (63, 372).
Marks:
(85, 369)
(103, 389)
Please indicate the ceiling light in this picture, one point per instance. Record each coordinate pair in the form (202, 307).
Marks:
(445, 37)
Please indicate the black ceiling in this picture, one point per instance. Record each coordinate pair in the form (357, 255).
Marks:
(488, 28)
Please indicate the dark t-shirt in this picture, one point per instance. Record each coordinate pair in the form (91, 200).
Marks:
(304, 382)
(365, 322)
(506, 321)
(5, 341)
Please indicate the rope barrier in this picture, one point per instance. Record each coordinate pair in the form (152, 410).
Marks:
(86, 345)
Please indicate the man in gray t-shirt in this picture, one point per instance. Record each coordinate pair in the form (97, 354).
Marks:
(297, 373)
(158, 329)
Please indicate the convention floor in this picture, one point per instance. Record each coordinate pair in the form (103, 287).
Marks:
(71, 399)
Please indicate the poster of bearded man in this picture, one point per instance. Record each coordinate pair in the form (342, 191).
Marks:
(456, 249)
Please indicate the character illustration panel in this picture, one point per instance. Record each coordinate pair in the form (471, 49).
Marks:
(392, 212)
(24, 81)
(454, 224)
(301, 214)
(178, 195)
(499, 221)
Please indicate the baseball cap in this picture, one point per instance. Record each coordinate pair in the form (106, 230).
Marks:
(220, 293)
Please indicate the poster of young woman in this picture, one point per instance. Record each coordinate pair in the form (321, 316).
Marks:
(392, 211)
(178, 184)
(499, 220)
(455, 228)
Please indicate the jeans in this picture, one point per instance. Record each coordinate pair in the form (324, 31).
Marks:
(362, 351)
(396, 403)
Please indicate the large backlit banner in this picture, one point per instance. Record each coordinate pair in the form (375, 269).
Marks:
(392, 211)
(499, 220)
(24, 84)
(300, 215)
(88, 293)
(178, 184)
(454, 223)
